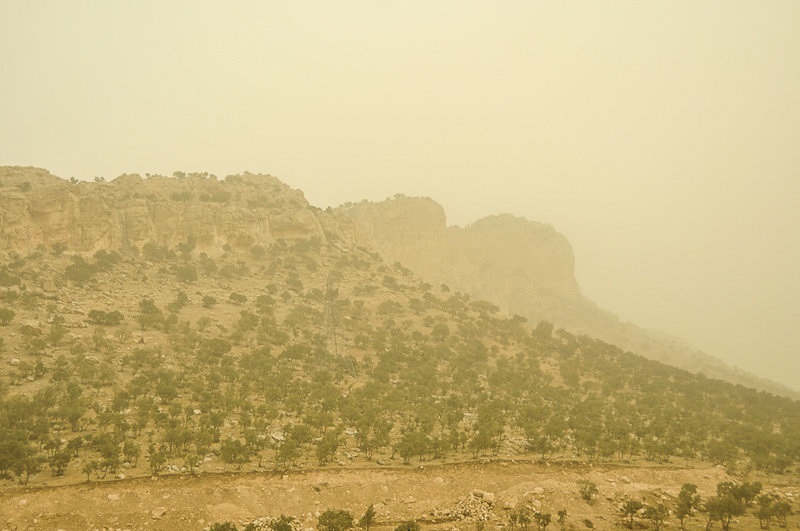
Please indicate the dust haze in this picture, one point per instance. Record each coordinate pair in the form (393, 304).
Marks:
(660, 138)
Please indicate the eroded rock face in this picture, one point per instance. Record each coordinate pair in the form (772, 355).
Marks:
(521, 265)
(38, 209)
(524, 267)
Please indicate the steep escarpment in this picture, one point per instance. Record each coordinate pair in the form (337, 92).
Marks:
(41, 210)
(525, 267)
(275, 337)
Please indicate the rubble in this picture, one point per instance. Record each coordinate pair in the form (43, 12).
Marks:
(476, 507)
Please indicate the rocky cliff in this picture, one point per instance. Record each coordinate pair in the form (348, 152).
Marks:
(525, 267)
(41, 210)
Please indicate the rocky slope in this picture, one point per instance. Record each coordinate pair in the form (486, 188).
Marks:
(429, 494)
(41, 210)
(270, 336)
(525, 267)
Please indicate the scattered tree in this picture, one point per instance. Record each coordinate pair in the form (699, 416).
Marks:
(367, 519)
(335, 520)
(587, 490)
(630, 509)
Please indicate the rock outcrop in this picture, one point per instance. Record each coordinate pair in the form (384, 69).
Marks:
(525, 267)
(41, 210)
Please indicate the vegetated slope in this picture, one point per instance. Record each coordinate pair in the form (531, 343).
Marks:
(261, 347)
(526, 268)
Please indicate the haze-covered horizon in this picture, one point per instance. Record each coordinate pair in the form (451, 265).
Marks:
(660, 138)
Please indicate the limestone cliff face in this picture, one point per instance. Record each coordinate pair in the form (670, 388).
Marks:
(524, 267)
(39, 209)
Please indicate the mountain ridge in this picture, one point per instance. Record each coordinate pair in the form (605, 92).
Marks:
(525, 267)
(290, 341)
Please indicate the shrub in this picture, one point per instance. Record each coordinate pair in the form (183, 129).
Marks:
(6, 316)
(237, 298)
(587, 489)
(79, 271)
(186, 273)
(335, 520)
(105, 318)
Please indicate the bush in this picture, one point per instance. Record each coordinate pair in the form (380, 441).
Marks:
(79, 271)
(6, 316)
(408, 526)
(237, 298)
(105, 318)
(186, 273)
(587, 489)
(335, 520)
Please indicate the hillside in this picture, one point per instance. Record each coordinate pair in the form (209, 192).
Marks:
(191, 325)
(524, 267)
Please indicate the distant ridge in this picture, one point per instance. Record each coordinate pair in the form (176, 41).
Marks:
(526, 268)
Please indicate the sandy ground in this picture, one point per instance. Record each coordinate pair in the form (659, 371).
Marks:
(178, 503)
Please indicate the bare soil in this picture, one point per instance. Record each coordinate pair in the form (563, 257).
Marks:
(423, 493)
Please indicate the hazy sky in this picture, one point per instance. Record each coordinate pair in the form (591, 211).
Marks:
(663, 138)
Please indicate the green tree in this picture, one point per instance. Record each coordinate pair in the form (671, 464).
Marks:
(186, 273)
(233, 452)
(149, 314)
(6, 316)
(723, 507)
(287, 453)
(88, 468)
(657, 514)
(562, 519)
(781, 509)
(587, 490)
(524, 519)
(101, 317)
(412, 443)
(542, 520)
(59, 462)
(79, 271)
(367, 519)
(237, 298)
(282, 523)
(156, 459)
(131, 451)
(688, 501)
(327, 446)
(630, 509)
(335, 520)
(27, 466)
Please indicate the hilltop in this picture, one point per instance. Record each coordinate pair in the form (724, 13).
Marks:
(526, 268)
(191, 325)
